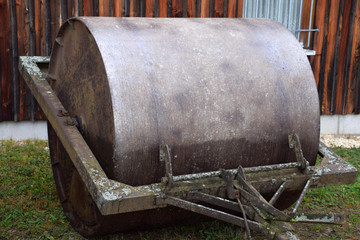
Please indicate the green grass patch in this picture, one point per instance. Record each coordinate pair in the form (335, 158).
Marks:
(30, 209)
(344, 196)
(343, 199)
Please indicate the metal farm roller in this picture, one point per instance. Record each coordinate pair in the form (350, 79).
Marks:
(154, 122)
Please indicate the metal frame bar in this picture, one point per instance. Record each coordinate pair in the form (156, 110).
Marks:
(307, 30)
(245, 9)
(300, 17)
(114, 197)
(310, 23)
(220, 215)
(279, 11)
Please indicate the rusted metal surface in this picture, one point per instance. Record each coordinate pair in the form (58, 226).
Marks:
(220, 92)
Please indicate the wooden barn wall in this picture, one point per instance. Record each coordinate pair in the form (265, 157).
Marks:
(336, 65)
(28, 27)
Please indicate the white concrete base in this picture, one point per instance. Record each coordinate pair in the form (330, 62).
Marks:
(329, 124)
(23, 130)
(340, 124)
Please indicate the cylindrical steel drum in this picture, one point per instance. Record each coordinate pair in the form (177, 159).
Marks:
(220, 92)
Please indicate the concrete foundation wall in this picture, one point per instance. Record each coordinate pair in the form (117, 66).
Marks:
(334, 124)
(340, 124)
(23, 130)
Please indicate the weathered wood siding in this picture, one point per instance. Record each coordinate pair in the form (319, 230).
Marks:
(336, 65)
(28, 27)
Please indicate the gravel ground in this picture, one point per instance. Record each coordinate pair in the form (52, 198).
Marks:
(341, 141)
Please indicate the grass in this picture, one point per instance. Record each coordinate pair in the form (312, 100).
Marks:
(337, 199)
(29, 207)
(28, 200)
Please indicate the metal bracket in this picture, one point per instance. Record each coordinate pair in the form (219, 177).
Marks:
(262, 211)
(165, 156)
(228, 176)
(294, 142)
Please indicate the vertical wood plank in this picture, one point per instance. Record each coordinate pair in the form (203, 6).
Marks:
(32, 50)
(111, 8)
(198, 8)
(239, 7)
(39, 9)
(319, 23)
(156, 8)
(80, 8)
(305, 21)
(168, 8)
(32, 35)
(330, 50)
(23, 36)
(349, 45)
(226, 7)
(127, 8)
(163, 8)
(135, 8)
(232, 8)
(211, 8)
(14, 60)
(39, 20)
(142, 8)
(104, 8)
(95, 7)
(191, 8)
(353, 98)
(64, 13)
(1, 55)
(88, 9)
(321, 85)
(205, 8)
(177, 8)
(184, 8)
(357, 92)
(48, 27)
(73, 8)
(55, 8)
(5, 63)
(341, 82)
(149, 12)
(119, 8)
(333, 75)
(219, 8)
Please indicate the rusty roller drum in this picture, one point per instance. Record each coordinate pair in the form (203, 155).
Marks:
(220, 92)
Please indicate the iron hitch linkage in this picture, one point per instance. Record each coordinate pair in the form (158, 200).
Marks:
(256, 213)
